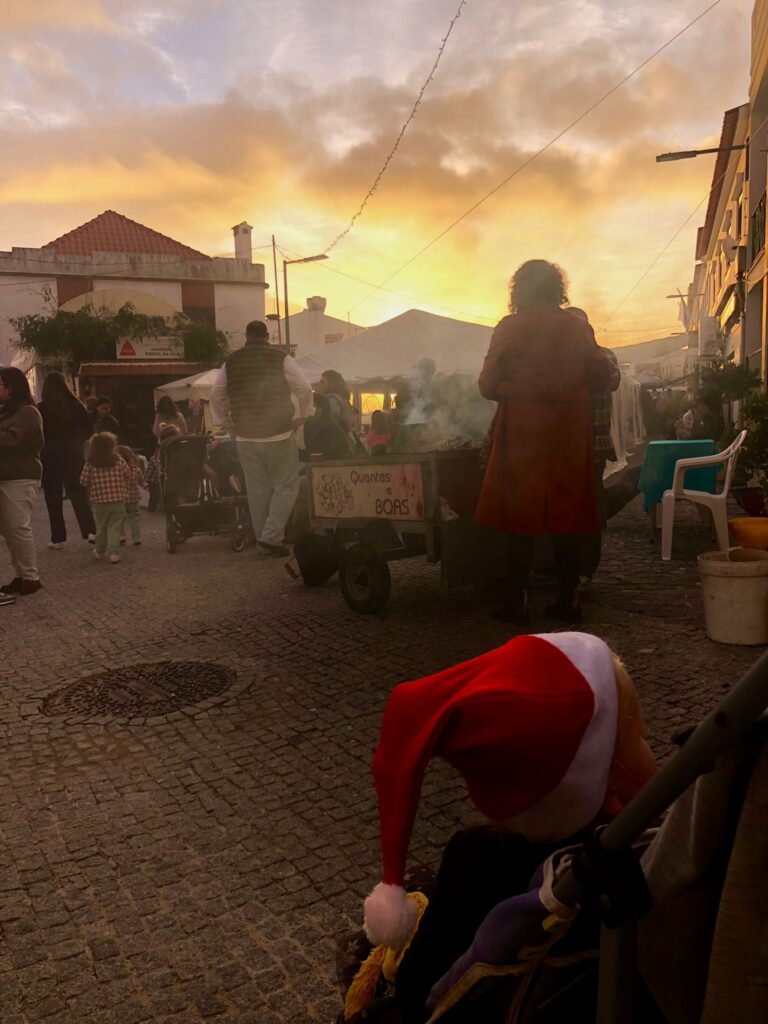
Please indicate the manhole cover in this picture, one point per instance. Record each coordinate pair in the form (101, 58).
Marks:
(141, 691)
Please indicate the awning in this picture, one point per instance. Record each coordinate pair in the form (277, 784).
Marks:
(132, 368)
(194, 388)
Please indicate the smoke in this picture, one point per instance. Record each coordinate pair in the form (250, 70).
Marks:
(440, 408)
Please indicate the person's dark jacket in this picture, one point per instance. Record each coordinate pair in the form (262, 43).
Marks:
(65, 432)
(259, 395)
(21, 439)
(324, 435)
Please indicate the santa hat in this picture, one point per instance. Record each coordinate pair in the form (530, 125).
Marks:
(531, 727)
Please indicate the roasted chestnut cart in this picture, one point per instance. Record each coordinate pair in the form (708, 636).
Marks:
(365, 513)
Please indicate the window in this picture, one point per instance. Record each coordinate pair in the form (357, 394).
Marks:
(370, 402)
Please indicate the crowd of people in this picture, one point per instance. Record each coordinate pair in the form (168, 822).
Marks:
(71, 450)
(545, 451)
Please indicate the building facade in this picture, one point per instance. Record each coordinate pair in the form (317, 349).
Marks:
(757, 300)
(112, 260)
(718, 297)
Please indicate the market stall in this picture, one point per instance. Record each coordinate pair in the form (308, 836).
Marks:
(366, 513)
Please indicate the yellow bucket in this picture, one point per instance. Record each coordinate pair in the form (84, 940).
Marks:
(750, 532)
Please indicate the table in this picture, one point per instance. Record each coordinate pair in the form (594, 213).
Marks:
(659, 469)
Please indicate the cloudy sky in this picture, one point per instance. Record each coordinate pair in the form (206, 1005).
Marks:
(192, 115)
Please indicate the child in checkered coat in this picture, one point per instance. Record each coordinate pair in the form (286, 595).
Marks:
(132, 500)
(107, 478)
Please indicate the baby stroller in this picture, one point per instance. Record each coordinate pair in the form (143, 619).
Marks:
(698, 883)
(196, 499)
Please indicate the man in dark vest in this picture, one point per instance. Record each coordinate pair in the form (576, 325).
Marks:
(261, 397)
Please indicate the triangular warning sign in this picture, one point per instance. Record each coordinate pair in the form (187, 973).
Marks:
(127, 349)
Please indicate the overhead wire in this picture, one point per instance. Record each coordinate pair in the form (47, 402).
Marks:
(688, 219)
(535, 156)
(389, 291)
(462, 312)
(390, 156)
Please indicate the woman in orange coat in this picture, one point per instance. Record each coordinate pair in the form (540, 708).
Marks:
(542, 367)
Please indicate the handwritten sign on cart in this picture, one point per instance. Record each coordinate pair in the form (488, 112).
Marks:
(390, 491)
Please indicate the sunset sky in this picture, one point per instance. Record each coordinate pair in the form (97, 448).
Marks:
(192, 115)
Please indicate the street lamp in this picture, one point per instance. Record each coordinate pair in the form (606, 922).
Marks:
(688, 154)
(306, 259)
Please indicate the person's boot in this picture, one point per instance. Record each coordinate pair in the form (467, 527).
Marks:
(566, 608)
(14, 587)
(514, 609)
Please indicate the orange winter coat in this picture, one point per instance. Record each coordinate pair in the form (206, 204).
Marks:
(542, 367)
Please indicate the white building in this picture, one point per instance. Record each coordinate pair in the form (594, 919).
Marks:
(757, 267)
(312, 329)
(112, 260)
(717, 298)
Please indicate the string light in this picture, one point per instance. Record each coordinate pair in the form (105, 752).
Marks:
(399, 139)
(527, 162)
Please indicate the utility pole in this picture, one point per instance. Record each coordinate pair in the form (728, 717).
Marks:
(286, 264)
(277, 294)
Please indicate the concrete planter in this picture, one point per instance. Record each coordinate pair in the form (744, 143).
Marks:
(735, 592)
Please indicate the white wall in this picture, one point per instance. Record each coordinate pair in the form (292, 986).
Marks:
(18, 296)
(168, 291)
(236, 306)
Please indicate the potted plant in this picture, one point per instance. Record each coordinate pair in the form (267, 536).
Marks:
(750, 488)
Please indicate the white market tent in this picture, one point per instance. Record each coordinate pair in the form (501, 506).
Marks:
(389, 351)
(193, 389)
(393, 349)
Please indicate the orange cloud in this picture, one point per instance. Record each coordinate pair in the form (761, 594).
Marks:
(596, 202)
(22, 18)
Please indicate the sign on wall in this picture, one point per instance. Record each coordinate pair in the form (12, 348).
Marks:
(368, 492)
(150, 348)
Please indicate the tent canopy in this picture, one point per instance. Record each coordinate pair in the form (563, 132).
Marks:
(394, 348)
(387, 352)
(192, 389)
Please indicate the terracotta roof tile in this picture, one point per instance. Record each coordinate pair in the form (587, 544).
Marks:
(112, 232)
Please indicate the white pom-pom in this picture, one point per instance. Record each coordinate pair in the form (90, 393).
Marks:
(389, 916)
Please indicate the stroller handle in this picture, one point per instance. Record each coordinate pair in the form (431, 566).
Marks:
(730, 720)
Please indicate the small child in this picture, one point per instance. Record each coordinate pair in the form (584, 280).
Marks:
(378, 437)
(132, 497)
(107, 478)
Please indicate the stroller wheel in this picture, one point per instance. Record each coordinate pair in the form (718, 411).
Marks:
(171, 537)
(238, 542)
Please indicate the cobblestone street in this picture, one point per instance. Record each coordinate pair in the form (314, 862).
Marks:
(196, 866)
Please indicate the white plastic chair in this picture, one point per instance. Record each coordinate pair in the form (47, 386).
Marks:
(714, 502)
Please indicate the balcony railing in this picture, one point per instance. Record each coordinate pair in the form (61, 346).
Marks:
(757, 231)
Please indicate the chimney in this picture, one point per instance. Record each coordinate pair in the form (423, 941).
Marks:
(316, 334)
(242, 233)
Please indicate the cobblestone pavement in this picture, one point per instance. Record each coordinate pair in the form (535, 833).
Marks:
(195, 866)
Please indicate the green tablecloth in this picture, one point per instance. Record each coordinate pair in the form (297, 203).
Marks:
(659, 469)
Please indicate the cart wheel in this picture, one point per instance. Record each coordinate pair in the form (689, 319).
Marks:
(238, 542)
(171, 537)
(364, 579)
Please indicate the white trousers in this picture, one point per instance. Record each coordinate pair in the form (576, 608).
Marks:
(271, 471)
(17, 499)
